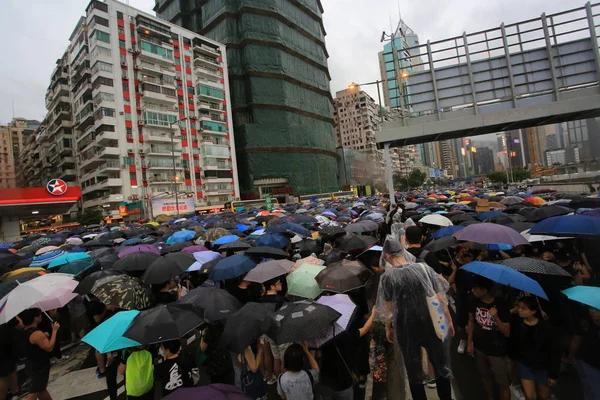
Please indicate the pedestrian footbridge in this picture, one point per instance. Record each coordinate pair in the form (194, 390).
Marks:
(534, 72)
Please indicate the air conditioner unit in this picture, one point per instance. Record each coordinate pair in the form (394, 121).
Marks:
(129, 150)
(130, 198)
(138, 51)
(121, 113)
(141, 122)
(141, 151)
(132, 49)
(123, 166)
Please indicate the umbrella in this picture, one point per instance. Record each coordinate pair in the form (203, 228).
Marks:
(22, 272)
(351, 242)
(533, 266)
(305, 219)
(218, 304)
(266, 252)
(520, 226)
(362, 226)
(48, 287)
(122, 291)
(108, 336)
(46, 249)
(332, 231)
(226, 239)
(234, 246)
(138, 261)
(268, 270)
(506, 276)
(436, 219)
(536, 201)
(588, 295)
(510, 200)
(216, 391)
(80, 267)
(568, 225)
(244, 326)
(585, 203)
(303, 320)
(489, 214)
(278, 240)
(342, 304)
(131, 242)
(141, 247)
(164, 322)
(100, 252)
(547, 212)
(203, 257)
(167, 267)
(232, 267)
(488, 233)
(173, 248)
(87, 283)
(295, 228)
(44, 259)
(301, 282)
(181, 236)
(194, 249)
(66, 258)
(97, 243)
(75, 241)
(447, 231)
(343, 276)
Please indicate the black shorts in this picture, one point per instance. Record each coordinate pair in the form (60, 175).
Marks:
(38, 379)
(7, 367)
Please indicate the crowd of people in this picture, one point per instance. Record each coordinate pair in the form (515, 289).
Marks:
(407, 284)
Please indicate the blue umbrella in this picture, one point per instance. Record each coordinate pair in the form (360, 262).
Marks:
(181, 236)
(232, 267)
(241, 227)
(108, 336)
(447, 231)
(226, 239)
(506, 276)
(296, 228)
(568, 225)
(273, 240)
(131, 242)
(588, 295)
(201, 258)
(6, 245)
(43, 260)
(489, 214)
(80, 266)
(67, 258)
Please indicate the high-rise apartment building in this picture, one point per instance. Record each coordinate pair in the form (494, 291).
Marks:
(357, 118)
(585, 135)
(280, 88)
(144, 106)
(13, 136)
(483, 160)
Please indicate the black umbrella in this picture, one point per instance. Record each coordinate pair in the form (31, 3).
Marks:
(175, 247)
(164, 322)
(168, 267)
(266, 252)
(97, 243)
(585, 203)
(521, 226)
(207, 267)
(534, 266)
(114, 235)
(308, 246)
(303, 320)
(515, 208)
(138, 261)
(467, 223)
(87, 283)
(547, 212)
(441, 244)
(351, 242)
(217, 303)
(332, 231)
(9, 259)
(101, 252)
(456, 219)
(244, 326)
(234, 246)
(343, 276)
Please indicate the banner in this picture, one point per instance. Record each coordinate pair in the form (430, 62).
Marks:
(168, 206)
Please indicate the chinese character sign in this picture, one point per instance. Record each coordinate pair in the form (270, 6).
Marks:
(169, 206)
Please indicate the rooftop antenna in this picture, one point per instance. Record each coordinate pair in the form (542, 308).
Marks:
(13, 108)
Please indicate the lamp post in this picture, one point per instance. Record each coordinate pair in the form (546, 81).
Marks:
(175, 183)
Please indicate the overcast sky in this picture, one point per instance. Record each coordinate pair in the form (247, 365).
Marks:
(35, 34)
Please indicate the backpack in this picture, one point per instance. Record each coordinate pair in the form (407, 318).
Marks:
(139, 375)
(253, 384)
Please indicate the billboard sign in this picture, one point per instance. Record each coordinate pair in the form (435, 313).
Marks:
(168, 206)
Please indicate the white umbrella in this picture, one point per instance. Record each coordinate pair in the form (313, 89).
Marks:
(542, 238)
(45, 250)
(436, 219)
(30, 293)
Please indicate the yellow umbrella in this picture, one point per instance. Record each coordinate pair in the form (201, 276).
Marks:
(153, 223)
(464, 202)
(17, 272)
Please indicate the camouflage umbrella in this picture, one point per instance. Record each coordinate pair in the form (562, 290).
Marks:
(122, 291)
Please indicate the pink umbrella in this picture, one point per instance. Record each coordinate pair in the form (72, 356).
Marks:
(140, 247)
(59, 298)
(194, 249)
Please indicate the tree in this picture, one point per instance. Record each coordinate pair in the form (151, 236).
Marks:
(497, 176)
(400, 182)
(90, 217)
(416, 178)
(520, 174)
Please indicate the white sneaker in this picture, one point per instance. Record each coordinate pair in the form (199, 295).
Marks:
(462, 346)
(516, 393)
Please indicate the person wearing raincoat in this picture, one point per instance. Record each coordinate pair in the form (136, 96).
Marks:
(412, 298)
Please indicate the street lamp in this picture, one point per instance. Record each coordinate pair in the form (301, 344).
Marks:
(175, 183)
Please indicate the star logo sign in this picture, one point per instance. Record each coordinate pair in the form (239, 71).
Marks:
(57, 187)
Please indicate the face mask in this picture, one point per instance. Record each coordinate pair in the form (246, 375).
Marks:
(161, 352)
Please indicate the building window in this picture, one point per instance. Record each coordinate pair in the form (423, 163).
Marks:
(102, 36)
(210, 91)
(119, 15)
(159, 118)
(101, 66)
(121, 44)
(152, 48)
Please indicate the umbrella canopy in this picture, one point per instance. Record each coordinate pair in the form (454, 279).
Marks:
(23, 274)
(489, 233)
(132, 241)
(568, 225)
(506, 276)
(244, 326)
(351, 242)
(278, 240)
(332, 231)
(167, 267)
(536, 201)
(510, 200)
(66, 258)
(217, 304)
(43, 260)
(45, 249)
(108, 336)
(343, 276)
(342, 304)
(520, 226)
(87, 283)
(588, 295)
(488, 215)
(534, 266)
(194, 249)
(181, 236)
(216, 391)
(80, 267)
(234, 246)
(97, 243)
(268, 270)
(138, 261)
(232, 267)
(226, 239)
(164, 322)
(266, 252)
(29, 294)
(303, 320)
(447, 231)
(547, 212)
(301, 282)
(202, 258)
(174, 247)
(435, 219)
(141, 247)
(122, 291)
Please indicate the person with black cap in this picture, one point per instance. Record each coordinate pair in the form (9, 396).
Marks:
(417, 312)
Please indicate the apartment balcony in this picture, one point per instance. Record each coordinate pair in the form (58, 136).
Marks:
(206, 97)
(68, 174)
(109, 152)
(163, 150)
(113, 198)
(155, 58)
(156, 137)
(208, 73)
(205, 61)
(159, 97)
(205, 49)
(214, 107)
(100, 157)
(158, 166)
(109, 166)
(218, 192)
(105, 138)
(216, 180)
(162, 180)
(217, 166)
(153, 68)
(111, 182)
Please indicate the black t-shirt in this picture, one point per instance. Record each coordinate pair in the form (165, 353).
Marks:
(589, 350)
(273, 298)
(431, 260)
(487, 338)
(94, 308)
(165, 297)
(172, 374)
(333, 373)
(241, 294)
